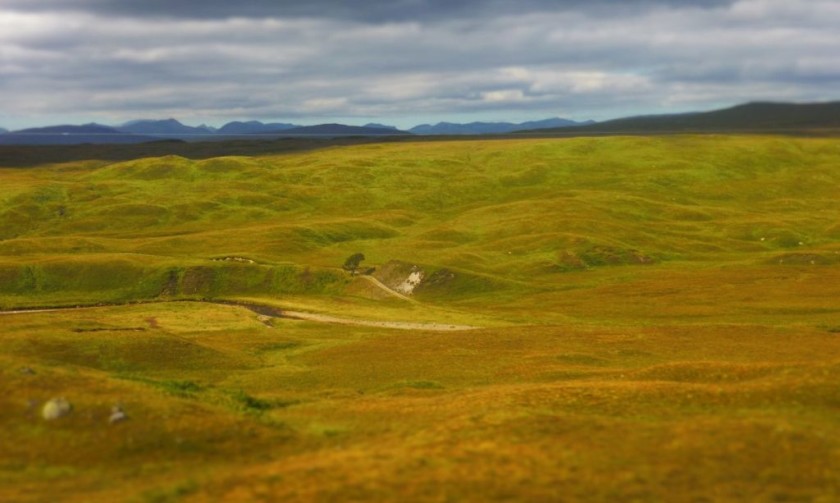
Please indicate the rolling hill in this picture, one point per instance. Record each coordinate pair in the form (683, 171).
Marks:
(749, 117)
(651, 318)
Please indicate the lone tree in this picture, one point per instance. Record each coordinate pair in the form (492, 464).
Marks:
(352, 262)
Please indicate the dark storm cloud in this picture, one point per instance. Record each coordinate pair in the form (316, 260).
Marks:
(364, 10)
(397, 60)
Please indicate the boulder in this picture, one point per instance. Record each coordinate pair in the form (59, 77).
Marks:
(56, 408)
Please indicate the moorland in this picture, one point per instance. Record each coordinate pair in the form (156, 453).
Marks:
(648, 318)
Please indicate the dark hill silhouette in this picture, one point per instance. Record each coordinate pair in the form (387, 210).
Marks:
(445, 128)
(3, 130)
(253, 127)
(339, 130)
(758, 117)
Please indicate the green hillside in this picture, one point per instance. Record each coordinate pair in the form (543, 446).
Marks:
(507, 218)
(653, 319)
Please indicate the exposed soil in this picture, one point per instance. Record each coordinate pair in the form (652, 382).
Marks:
(382, 286)
(402, 325)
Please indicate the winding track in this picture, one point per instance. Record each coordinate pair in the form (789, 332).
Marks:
(280, 313)
(267, 310)
(382, 286)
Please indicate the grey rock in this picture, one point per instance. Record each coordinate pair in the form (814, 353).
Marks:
(117, 415)
(56, 408)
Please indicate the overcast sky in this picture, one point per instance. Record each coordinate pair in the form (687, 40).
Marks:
(405, 62)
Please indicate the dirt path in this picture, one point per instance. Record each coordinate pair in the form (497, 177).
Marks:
(28, 311)
(402, 325)
(281, 313)
(382, 286)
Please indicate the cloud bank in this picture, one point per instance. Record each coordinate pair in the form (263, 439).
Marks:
(407, 61)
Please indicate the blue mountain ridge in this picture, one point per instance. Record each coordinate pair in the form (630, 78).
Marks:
(492, 127)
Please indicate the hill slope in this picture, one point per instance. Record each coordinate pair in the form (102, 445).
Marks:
(659, 317)
(502, 216)
(747, 117)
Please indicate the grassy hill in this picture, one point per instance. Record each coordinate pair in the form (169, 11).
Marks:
(520, 214)
(657, 316)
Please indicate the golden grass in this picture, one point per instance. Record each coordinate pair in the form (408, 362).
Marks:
(223, 407)
(659, 323)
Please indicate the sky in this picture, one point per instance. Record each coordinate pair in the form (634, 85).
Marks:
(407, 62)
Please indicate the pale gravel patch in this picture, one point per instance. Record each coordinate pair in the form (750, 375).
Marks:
(306, 316)
(402, 325)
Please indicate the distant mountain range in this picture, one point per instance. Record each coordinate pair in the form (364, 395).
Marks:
(253, 127)
(140, 131)
(3, 130)
(171, 129)
(749, 117)
(341, 130)
(444, 128)
(71, 135)
(168, 128)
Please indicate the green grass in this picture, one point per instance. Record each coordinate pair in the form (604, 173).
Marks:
(659, 322)
(525, 211)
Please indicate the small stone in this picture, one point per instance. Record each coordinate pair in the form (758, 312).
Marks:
(27, 371)
(56, 408)
(117, 415)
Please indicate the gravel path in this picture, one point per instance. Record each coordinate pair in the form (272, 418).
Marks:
(402, 325)
(295, 315)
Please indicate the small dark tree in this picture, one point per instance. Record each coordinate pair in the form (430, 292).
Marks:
(352, 262)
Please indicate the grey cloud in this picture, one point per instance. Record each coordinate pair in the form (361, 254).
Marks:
(366, 10)
(325, 59)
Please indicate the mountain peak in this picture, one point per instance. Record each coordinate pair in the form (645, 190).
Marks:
(162, 127)
(335, 129)
(490, 127)
(379, 126)
(252, 127)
